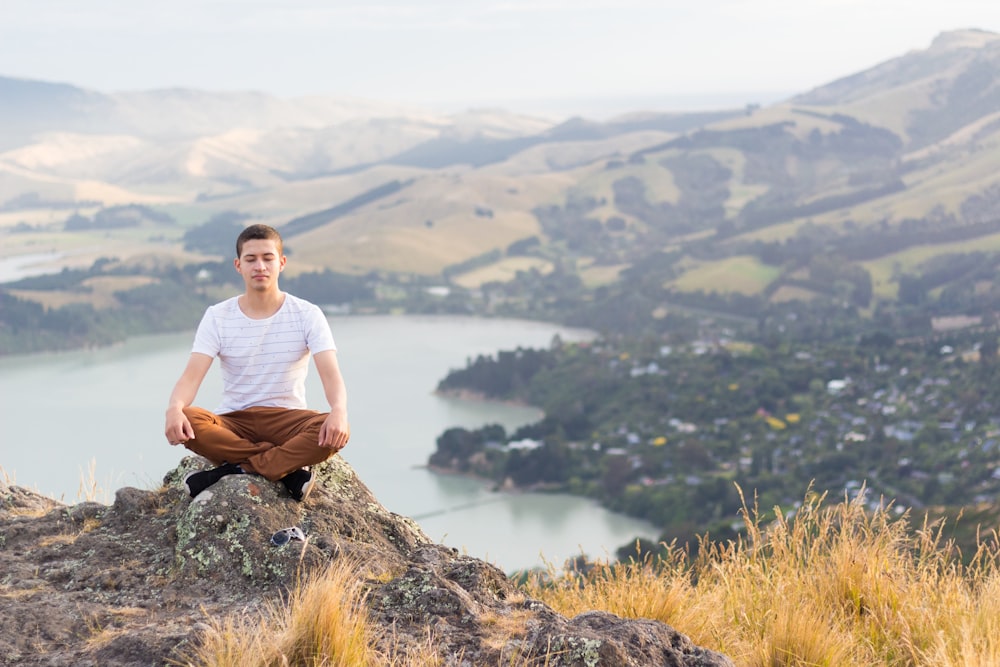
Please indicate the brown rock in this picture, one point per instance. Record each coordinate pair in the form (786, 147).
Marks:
(131, 583)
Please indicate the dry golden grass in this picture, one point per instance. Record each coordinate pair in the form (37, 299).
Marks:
(397, 239)
(63, 538)
(596, 276)
(832, 586)
(657, 179)
(788, 293)
(10, 593)
(90, 490)
(106, 628)
(502, 629)
(324, 623)
(89, 524)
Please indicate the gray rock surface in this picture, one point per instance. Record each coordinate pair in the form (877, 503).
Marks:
(135, 582)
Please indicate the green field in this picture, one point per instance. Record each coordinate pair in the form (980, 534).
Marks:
(884, 270)
(742, 274)
(503, 271)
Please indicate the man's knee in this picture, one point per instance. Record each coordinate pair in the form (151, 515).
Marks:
(312, 426)
(199, 415)
(202, 421)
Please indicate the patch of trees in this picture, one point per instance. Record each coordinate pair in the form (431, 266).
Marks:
(769, 210)
(479, 261)
(34, 200)
(310, 221)
(159, 306)
(855, 140)
(835, 276)
(664, 217)
(615, 311)
(575, 226)
(504, 376)
(550, 464)
(67, 279)
(466, 451)
(982, 208)
(25, 326)
(759, 140)
(218, 235)
(704, 187)
(872, 243)
(863, 244)
(523, 246)
(941, 270)
(117, 217)
(328, 287)
(734, 303)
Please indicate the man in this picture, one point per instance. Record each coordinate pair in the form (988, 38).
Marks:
(263, 339)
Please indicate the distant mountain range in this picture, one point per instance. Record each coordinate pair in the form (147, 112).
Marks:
(58, 135)
(871, 165)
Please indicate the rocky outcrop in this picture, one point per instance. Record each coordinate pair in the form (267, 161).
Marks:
(134, 583)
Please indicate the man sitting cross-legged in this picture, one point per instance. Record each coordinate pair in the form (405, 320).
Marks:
(263, 339)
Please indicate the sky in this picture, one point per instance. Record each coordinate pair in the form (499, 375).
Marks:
(473, 53)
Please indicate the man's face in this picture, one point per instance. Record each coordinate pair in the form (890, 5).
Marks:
(260, 263)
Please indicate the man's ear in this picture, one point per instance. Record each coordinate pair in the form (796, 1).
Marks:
(236, 264)
(281, 267)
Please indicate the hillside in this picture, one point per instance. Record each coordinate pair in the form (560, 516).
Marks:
(879, 190)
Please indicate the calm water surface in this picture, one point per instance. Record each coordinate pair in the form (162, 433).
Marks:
(67, 413)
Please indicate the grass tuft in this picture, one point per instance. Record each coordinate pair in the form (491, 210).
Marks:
(323, 624)
(90, 489)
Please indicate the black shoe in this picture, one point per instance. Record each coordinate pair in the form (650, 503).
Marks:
(299, 483)
(196, 482)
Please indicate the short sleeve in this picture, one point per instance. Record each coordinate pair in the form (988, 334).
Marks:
(319, 338)
(206, 339)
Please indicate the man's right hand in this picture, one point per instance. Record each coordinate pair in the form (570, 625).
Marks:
(178, 429)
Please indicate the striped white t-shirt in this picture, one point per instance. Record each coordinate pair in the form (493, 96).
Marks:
(264, 362)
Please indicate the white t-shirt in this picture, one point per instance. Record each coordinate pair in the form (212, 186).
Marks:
(264, 362)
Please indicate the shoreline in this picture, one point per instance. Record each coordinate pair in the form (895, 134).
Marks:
(503, 487)
(474, 396)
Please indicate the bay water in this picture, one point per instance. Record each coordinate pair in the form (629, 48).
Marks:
(75, 419)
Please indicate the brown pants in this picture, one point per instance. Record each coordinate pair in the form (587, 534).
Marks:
(271, 442)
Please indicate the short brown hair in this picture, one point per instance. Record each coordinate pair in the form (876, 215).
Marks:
(255, 232)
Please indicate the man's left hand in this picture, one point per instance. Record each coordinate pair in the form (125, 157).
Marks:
(335, 432)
